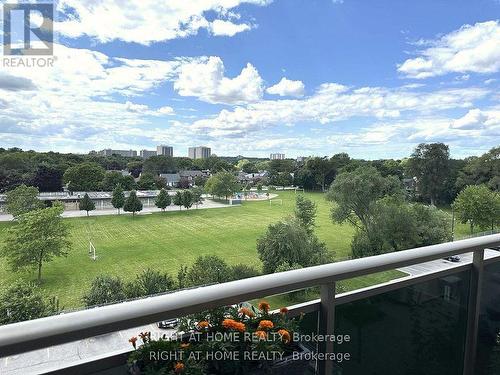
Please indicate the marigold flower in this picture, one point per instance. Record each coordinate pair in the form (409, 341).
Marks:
(264, 306)
(265, 324)
(284, 335)
(246, 312)
(179, 367)
(133, 341)
(233, 324)
(284, 310)
(203, 324)
(262, 335)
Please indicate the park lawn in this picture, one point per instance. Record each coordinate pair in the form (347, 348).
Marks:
(126, 245)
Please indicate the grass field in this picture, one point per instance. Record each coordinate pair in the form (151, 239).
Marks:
(164, 241)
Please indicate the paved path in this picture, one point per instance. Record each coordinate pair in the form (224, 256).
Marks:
(146, 211)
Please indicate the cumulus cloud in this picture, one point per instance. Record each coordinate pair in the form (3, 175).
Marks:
(205, 80)
(13, 83)
(334, 102)
(287, 87)
(472, 48)
(147, 21)
(477, 119)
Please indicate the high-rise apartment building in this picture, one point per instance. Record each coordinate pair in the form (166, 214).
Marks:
(165, 150)
(126, 153)
(147, 153)
(277, 156)
(200, 152)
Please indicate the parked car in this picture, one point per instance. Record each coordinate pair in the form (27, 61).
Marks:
(169, 323)
(453, 258)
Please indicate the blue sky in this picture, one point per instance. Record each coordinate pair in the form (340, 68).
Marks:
(303, 77)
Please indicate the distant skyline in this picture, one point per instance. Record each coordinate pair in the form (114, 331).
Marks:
(255, 77)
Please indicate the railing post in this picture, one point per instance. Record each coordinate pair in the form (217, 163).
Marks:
(326, 326)
(475, 288)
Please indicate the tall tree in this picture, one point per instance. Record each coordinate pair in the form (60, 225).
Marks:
(86, 204)
(149, 282)
(320, 168)
(478, 206)
(132, 203)
(178, 199)
(84, 177)
(208, 269)
(22, 199)
(38, 237)
(222, 184)
(163, 200)
(305, 212)
(197, 196)
(355, 193)
(118, 199)
(187, 199)
(429, 163)
(481, 170)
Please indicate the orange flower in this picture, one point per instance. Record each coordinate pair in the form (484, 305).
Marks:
(262, 335)
(264, 306)
(233, 324)
(284, 335)
(179, 367)
(265, 324)
(283, 310)
(246, 312)
(133, 341)
(203, 324)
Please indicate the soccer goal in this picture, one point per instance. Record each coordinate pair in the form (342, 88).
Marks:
(276, 202)
(92, 251)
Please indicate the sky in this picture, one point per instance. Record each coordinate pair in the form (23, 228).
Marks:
(253, 77)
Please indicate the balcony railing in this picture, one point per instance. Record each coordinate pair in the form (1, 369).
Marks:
(46, 332)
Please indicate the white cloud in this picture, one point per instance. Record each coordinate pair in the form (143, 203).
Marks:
(147, 21)
(477, 119)
(205, 80)
(286, 87)
(334, 102)
(166, 110)
(474, 49)
(227, 28)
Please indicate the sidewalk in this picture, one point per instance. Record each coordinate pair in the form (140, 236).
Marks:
(146, 211)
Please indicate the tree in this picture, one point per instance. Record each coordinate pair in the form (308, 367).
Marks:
(38, 237)
(222, 184)
(104, 289)
(146, 181)
(135, 168)
(22, 301)
(305, 212)
(84, 177)
(187, 199)
(182, 281)
(208, 269)
(320, 168)
(355, 193)
(178, 199)
(22, 199)
(111, 180)
(163, 200)
(479, 206)
(197, 193)
(289, 242)
(243, 271)
(481, 170)
(86, 204)
(48, 177)
(429, 163)
(132, 203)
(118, 199)
(128, 183)
(149, 282)
(396, 225)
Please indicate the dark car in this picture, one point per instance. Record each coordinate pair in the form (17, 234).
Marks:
(453, 258)
(169, 323)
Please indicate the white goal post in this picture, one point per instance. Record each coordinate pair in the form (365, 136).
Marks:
(92, 251)
(276, 201)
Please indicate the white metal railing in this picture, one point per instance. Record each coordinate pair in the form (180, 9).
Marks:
(40, 333)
